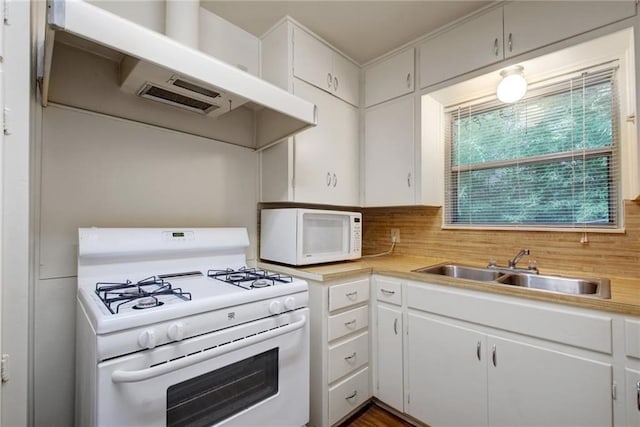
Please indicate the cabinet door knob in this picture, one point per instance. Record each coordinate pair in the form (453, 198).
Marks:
(478, 351)
(335, 83)
(409, 80)
(329, 80)
(328, 179)
(510, 42)
(495, 46)
(494, 357)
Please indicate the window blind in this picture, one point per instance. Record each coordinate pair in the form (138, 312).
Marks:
(550, 160)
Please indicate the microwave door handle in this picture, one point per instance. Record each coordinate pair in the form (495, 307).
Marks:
(120, 376)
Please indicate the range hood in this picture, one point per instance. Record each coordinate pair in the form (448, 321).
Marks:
(101, 62)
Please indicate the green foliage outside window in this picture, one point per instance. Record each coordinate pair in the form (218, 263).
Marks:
(547, 160)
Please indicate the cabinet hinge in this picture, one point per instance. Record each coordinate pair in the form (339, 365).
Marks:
(614, 391)
(4, 369)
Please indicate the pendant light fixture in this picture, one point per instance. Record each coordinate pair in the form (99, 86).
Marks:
(513, 85)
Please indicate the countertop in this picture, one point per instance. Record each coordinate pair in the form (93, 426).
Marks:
(625, 292)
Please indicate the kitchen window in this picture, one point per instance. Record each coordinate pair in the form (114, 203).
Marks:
(550, 160)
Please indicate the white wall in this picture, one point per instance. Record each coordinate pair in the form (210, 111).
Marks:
(101, 171)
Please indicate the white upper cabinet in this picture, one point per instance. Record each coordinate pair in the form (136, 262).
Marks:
(390, 78)
(389, 154)
(464, 48)
(225, 41)
(318, 64)
(530, 24)
(510, 30)
(319, 165)
(326, 156)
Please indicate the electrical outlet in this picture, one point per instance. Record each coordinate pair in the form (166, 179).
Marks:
(395, 235)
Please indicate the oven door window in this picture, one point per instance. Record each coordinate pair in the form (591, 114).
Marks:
(217, 395)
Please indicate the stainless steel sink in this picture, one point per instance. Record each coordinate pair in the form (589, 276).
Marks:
(592, 287)
(462, 272)
(567, 285)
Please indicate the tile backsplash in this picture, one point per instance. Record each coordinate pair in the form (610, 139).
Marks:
(605, 254)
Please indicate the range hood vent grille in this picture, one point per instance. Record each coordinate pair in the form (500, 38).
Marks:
(195, 88)
(159, 94)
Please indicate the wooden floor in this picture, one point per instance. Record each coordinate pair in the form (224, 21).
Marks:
(374, 416)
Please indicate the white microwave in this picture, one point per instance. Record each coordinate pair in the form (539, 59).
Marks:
(309, 236)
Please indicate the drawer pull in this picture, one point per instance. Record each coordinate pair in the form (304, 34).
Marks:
(352, 395)
(387, 291)
(638, 394)
(352, 295)
(350, 358)
(350, 324)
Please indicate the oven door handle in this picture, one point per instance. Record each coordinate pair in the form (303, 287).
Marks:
(120, 376)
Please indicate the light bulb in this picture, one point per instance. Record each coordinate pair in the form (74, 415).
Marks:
(513, 85)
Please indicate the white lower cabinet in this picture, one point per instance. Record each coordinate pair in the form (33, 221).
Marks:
(389, 384)
(632, 388)
(447, 373)
(462, 377)
(339, 349)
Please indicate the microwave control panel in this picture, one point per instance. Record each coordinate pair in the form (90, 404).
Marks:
(356, 236)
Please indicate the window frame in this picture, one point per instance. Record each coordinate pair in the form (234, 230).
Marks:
(553, 86)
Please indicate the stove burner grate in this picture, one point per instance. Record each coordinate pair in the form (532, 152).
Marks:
(144, 294)
(249, 278)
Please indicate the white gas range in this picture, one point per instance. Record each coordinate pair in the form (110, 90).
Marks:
(174, 329)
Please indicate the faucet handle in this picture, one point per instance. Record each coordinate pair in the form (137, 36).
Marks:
(532, 265)
(492, 262)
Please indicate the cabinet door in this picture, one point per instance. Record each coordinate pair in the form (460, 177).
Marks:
(447, 373)
(390, 386)
(530, 24)
(389, 79)
(326, 156)
(312, 60)
(632, 384)
(346, 79)
(464, 48)
(530, 385)
(389, 154)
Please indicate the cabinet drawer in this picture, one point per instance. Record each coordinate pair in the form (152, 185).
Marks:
(348, 322)
(348, 356)
(348, 395)
(389, 291)
(632, 338)
(341, 296)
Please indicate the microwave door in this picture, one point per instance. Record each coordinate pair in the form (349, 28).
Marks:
(325, 236)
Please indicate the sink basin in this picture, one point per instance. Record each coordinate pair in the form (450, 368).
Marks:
(462, 272)
(566, 285)
(591, 287)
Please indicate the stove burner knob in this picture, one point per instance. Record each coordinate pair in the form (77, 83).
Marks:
(275, 307)
(289, 303)
(147, 339)
(176, 331)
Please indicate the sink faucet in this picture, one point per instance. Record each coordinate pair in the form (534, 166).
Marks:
(518, 257)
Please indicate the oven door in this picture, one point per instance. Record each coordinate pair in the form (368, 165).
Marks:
(255, 374)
